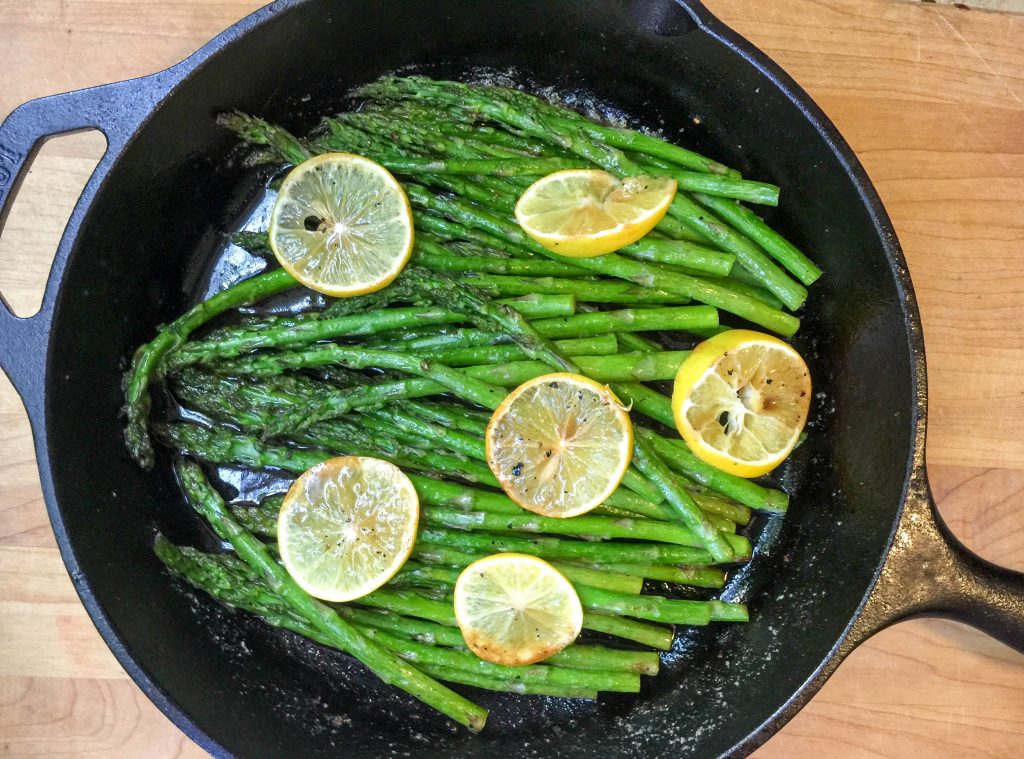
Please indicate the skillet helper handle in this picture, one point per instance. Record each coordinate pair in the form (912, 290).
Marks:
(985, 596)
(930, 573)
(114, 110)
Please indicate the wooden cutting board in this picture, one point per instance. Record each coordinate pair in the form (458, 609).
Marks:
(932, 100)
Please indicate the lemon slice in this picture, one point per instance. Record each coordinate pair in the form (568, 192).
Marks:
(342, 225)
(740, 401)
(346, 526)
(516, 609)
(583, 213)
(559, 444)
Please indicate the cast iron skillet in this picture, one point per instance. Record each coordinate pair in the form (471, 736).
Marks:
(861, 548)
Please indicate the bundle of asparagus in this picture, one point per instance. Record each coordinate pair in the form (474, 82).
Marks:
(481, 309)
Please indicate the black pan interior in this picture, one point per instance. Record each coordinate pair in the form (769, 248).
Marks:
(149, 237)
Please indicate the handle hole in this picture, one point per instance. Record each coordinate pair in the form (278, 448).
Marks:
(52, 183)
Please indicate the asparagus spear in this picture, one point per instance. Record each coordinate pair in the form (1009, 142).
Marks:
(777, 246)
(495, 167)
(260, 132)
(463, 384)
(343, 438)
(511, 686)
(734, 188)
(701, 577)
(624, 367)
(307, 331)
(413, 604)
(452, 230)
(502, 354)
(448, 415)
(678, 498)
(655, 636)
(448, 264)
(693, 257)
(292, 331)
(584, 526)
(638, 343)
(259, 520)
(583, 551)
(713, 504)
(733, 282)
(484, 313)
(588, 290)
(460, 124)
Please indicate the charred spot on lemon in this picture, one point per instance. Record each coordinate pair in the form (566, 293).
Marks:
(346, 526)
(583, 213)
(342, 225)
(559, 444)
(515, 609)
(740, 401)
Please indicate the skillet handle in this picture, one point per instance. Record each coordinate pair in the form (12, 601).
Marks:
(114, 109)
(930, 573)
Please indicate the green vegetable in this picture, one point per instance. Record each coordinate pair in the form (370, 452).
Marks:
(325, 620)
(480, 308)
(145, 366)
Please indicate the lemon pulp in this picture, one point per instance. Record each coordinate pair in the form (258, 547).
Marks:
(516, 609)
(583, 213)
(740, 401)
(559, 444)
(346, 526)
(342, 225)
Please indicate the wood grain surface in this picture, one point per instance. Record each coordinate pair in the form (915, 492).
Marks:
(932, 100)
